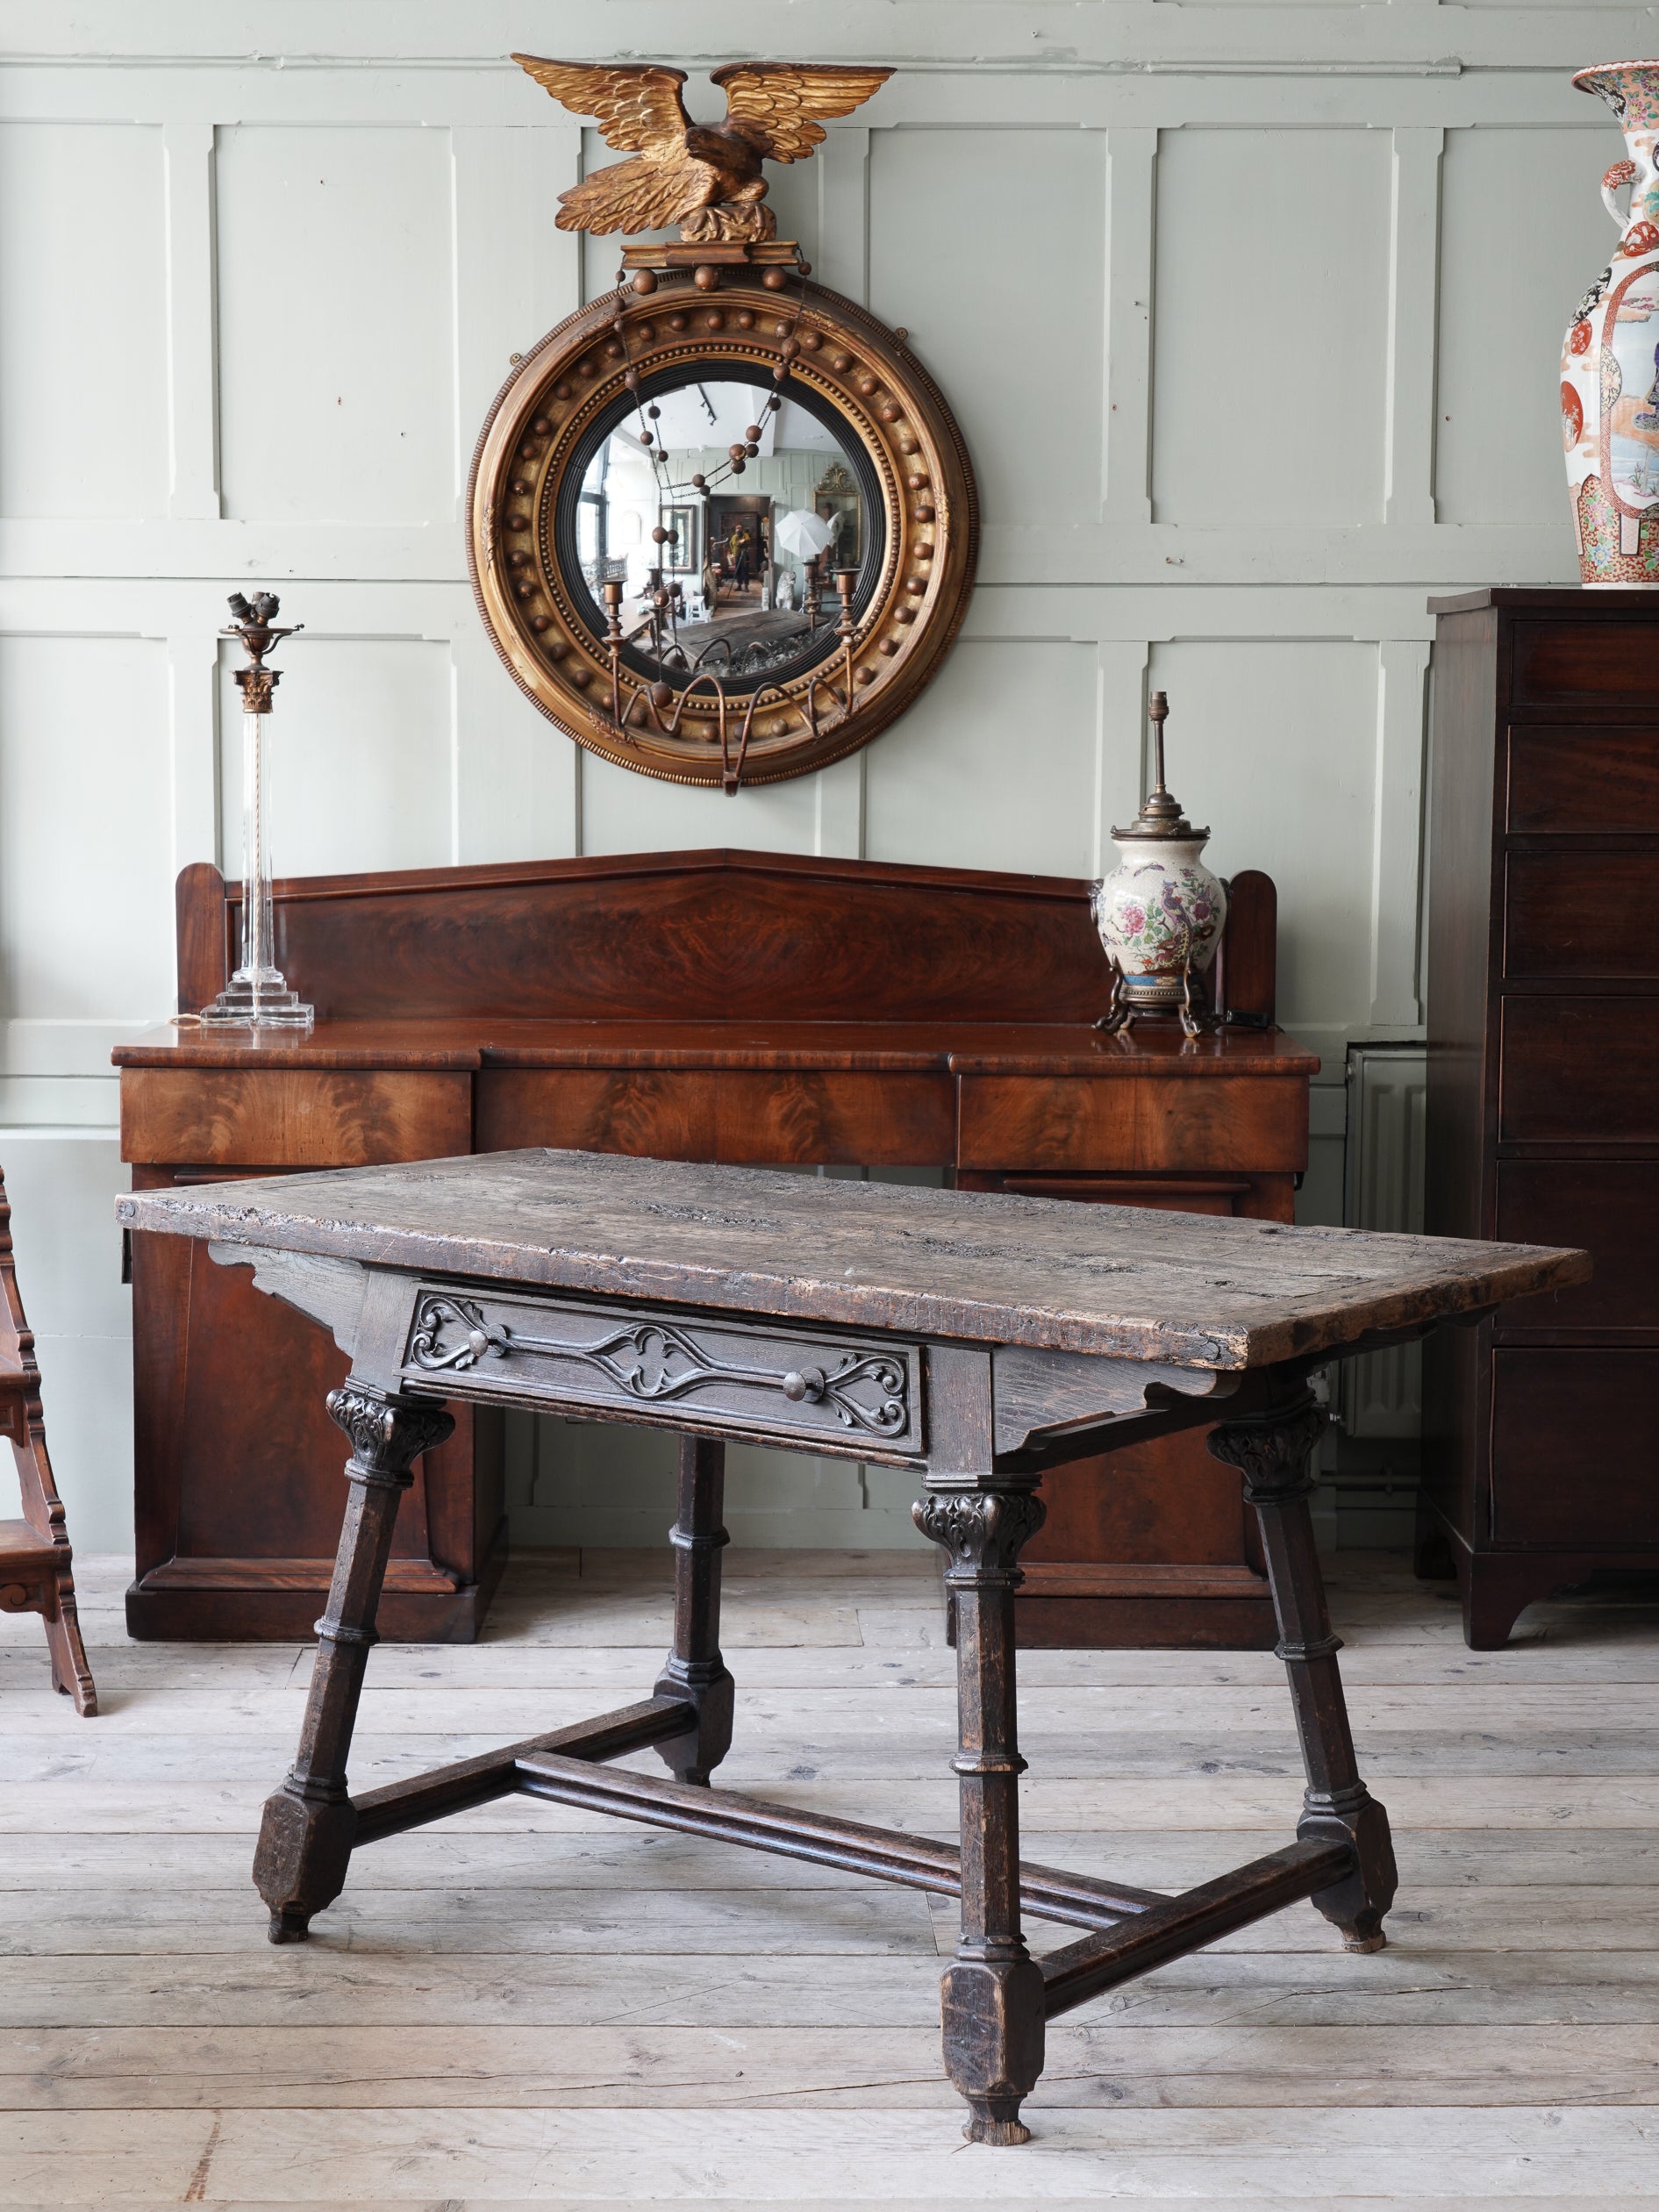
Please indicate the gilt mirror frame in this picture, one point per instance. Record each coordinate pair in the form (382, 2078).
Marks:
(749, 310)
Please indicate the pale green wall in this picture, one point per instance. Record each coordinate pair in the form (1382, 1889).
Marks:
(1252, 337)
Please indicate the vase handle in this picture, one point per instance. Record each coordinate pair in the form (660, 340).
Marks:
(1620, 172)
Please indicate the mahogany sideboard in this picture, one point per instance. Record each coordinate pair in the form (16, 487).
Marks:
(1544, 1115)
(718, 1006)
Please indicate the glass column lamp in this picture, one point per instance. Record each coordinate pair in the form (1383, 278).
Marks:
(257, 996)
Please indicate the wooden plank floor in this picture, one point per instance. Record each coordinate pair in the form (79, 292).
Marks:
(531, 2005)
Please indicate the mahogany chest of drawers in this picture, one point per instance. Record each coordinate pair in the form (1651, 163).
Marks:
(1543, 1103)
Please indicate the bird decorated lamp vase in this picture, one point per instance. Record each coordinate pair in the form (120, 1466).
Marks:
(1610, 359)
(1161, 912)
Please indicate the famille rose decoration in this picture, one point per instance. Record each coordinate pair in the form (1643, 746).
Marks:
(1161, 912)
(1610, 362)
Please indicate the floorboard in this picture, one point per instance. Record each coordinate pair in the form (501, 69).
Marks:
(736, 2030)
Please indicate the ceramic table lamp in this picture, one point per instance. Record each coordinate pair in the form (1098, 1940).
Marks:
(1161, 912)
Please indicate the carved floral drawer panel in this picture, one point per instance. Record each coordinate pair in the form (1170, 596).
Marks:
(819, 1391)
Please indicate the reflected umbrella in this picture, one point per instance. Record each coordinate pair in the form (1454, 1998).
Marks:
(803, 534)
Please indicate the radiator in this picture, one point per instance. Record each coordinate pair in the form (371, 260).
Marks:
(1381, 1395)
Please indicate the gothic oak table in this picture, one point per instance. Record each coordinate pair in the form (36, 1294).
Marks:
(980, 1340)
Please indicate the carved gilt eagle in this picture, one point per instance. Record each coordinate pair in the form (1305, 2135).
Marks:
(706, 178)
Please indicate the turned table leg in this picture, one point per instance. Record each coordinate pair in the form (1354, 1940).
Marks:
(694, 1670)
(991, 1997)
(1274, 1450)
(306, 1835)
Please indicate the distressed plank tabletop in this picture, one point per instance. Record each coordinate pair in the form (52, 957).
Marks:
(1122, 1281)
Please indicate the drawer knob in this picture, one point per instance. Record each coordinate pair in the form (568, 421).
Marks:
(807, 1382)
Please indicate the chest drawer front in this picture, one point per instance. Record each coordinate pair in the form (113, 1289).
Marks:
(1585, 665)
(1578, 915)
(293, 1117)
(1576, 1071)
(1609, 1207)
(1077, 1123)
(817, 1390)
(1576, 782)
(1574, 1460)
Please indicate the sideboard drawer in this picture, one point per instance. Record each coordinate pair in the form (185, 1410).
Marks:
(1586, 664)
(1572, 915)
(1574, 1459)
(778, 1118)
(293, 1117)
(1082, 1122)
(662, 1114)
(1610, 1206)
(815, 1390)
(1577, 783)
(1577, 1069)
(846, 1117)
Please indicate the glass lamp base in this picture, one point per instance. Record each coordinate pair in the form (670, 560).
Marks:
(244, 1005)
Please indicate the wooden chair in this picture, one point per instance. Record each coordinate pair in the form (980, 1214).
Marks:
(34, 1552)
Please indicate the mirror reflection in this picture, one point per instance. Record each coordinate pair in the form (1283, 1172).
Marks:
(726, 543)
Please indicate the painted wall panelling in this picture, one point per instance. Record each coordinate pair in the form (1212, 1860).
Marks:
(83, 426)
(1204, 321)
(1271, 283)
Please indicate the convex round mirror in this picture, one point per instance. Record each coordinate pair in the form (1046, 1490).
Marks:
(725, 568)
(722, 532)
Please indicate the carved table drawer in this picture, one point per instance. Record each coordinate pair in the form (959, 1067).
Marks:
(819, 1391)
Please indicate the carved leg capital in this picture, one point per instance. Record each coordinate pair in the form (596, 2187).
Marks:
(387, 1432)
(309, 1826)
(984, 1531)
(1273, 1451)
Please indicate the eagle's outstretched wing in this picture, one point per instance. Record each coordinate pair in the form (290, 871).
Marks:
(776, 105)
(637, 106)
(639, 111)
(641, 195)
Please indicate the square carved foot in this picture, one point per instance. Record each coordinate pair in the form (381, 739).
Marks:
(993, 2017)
(1356, 1905)
(299, 1867)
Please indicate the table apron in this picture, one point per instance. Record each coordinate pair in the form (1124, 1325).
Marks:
(808, 1390)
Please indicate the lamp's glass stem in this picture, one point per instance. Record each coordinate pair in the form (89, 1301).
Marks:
(257, 996)
(258, 973)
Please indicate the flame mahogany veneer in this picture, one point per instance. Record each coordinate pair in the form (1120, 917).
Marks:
(734, 1007)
